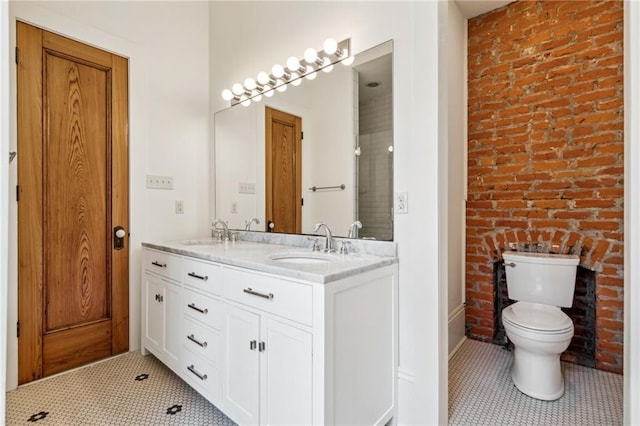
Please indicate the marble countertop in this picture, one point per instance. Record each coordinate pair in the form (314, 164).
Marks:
(261, 256)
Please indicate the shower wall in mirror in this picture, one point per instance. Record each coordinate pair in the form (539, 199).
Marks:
(346, 153)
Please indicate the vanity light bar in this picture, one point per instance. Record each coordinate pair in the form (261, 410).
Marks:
(296, 69)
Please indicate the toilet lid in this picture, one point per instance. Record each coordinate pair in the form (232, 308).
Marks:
(539, 317)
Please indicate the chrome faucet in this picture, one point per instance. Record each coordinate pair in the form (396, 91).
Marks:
(225, 233)
(352, 229)
(247, 223)
(328, 246)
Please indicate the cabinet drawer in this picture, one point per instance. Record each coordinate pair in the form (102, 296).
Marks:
(202, 308)
(202, 375)
(162, 263)
(287, 299)
(202, 341)
(202, 275)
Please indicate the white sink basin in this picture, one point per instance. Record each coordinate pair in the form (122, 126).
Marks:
(307, 258)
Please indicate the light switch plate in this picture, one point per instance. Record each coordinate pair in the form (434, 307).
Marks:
(246, 188)
(159, 182)
(179, 207)
(401, 202)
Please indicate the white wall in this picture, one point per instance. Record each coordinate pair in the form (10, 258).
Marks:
(456, 61)
(264, 33)
(169, 117)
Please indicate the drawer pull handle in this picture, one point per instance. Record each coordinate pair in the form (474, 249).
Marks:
(200, 277)
(195, 308)
(161, 265)
(257, 293)
(193, 370)
(252, 345)
(159, 298)
(196, 341)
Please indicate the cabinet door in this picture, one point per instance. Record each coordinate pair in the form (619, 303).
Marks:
(286, 374)
(173, 318)
(153, 330)
(241, 365)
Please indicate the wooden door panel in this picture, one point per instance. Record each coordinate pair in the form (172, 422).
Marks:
(73, 189)
(77, 222)
(92, 342)
(283, 147)
(120, 203)
(30, 263)
(283, 178)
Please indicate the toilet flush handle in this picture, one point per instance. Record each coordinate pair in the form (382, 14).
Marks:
(513, 265)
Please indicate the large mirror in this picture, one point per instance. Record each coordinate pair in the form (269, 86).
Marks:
(318, 152)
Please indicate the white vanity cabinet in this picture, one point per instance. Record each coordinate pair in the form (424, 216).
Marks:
(162, 299)
(202, 311)
(273, 349)
(268, 357)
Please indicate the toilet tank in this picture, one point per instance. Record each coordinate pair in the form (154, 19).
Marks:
(541, 277)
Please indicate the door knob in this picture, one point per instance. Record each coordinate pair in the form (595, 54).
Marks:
(118, 237)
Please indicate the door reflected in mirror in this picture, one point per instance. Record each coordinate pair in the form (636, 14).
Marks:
(319, 152)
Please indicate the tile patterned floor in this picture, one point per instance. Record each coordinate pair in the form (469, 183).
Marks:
(481, 393)
(126, 390)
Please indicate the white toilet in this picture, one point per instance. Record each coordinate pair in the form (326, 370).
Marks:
(541, 284)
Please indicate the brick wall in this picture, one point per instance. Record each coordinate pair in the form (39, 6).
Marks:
(545, 150)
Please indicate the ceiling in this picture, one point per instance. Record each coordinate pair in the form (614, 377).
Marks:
(473, 8)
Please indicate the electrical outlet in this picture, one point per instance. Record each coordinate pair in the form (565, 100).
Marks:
(402, 202)
(179, 207)
(159, 182)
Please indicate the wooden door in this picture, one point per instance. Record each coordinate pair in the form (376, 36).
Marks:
(283, 147)
(73, 191)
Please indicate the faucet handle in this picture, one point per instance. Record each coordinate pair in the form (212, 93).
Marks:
(316, 243)
(344, 247)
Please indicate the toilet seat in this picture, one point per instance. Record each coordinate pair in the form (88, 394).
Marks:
(537, 318)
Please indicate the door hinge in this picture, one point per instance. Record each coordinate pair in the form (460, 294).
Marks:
(17, 192)
(17, 50)
(18, 329)
(302, 201)
(301, 135)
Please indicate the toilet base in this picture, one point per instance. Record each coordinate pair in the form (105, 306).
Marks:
(537, 375)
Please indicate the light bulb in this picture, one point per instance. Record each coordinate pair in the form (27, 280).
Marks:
(268, 92)
(244, 101)
(295, 79)
(277, 71)
(237, 89)
(263, 77)
(311, 73)
(310, 55)
(293, 63)
(281, 86)
(327, 66)
(349, 60)
(390, 148)
(227, 94)
(250, 83)
(330, 46)
(257, 98)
